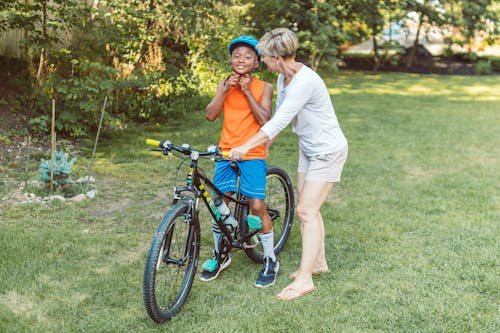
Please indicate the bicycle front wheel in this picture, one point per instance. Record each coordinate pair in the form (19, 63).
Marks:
(171, 263)
(280, 204)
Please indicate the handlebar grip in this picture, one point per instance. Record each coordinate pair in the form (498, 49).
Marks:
(154, 143)
(225, 154)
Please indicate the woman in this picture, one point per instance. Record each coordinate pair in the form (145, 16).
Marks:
(304, 101)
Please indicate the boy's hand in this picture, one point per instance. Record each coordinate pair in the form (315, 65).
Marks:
(232, 79)
(245, 81)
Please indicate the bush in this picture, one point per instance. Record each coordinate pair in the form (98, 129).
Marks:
(483, 67)
(495, 63)
(466, 56)
(61, 173)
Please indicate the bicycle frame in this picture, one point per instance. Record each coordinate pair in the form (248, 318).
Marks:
(199, 185)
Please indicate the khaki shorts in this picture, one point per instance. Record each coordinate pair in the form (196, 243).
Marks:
(323, 167)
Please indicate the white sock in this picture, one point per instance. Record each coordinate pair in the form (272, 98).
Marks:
(267, 241)
(216, 234)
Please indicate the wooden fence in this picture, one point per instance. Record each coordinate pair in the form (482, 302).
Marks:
(11, 42)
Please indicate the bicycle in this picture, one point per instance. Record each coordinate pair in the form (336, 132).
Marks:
(173, 256)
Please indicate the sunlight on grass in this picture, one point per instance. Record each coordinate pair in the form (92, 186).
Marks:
(19, 305)
(485, 89)
(453, 87)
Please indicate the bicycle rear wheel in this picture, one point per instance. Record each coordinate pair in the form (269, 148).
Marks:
(171, 263)
(280, 204)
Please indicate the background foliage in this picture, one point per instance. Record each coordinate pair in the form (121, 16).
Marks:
(156, 59)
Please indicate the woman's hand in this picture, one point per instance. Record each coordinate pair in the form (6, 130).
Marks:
(238, 153)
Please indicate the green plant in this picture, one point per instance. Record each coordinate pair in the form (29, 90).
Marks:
(39, 125)
(448, 53)
(391, 52)
(495, 63)
(62, 170)
(483, 67)
(465, 56)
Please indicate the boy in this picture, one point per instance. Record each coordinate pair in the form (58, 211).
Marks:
(247, 105)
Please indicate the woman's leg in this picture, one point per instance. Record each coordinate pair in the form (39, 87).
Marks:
(321, 265)
(310, 199)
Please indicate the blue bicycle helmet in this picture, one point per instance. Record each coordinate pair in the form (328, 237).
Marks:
(244, 40)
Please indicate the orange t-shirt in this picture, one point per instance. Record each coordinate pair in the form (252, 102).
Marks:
(239, 123)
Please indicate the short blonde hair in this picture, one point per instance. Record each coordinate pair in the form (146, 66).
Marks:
(279, 42)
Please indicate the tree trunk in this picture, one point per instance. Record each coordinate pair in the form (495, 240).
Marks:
(39, 73)
(413, 51)
(38, 78)
(376, 57)
(314, 60)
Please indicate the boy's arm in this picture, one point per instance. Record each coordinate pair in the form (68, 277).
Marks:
(262, 111)
(214, 108)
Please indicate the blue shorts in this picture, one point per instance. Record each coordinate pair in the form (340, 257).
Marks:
(252, 180)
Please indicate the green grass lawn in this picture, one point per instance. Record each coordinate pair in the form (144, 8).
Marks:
(412, 230)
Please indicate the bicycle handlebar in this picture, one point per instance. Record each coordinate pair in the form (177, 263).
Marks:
(154, 143)
(185, 149)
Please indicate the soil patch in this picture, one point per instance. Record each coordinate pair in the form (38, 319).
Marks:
(14, 135)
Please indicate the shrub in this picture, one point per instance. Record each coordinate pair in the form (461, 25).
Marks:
(483, 67)
(61, 173)
(495, 63)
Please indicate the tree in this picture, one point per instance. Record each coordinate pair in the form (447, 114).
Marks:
(475, 17)
(377, 14)
(149, 57)
(427, 11)
(45, 23)
(316, 23)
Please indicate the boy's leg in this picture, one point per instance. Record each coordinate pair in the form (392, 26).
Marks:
(225, 180)
(253, 186)
(270, 268)
(266, 234)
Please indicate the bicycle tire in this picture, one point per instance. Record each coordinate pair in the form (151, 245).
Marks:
(280, 203)
(171, 263)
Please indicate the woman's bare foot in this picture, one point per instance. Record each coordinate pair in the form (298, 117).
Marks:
(316, 271)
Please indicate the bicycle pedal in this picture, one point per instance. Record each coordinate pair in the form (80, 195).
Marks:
(255, 240)
(210, 265)
(246, 246)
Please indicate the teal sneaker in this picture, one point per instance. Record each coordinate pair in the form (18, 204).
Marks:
(212, 267)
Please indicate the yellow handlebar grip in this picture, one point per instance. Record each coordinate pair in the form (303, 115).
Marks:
(225, 154)
(154, 143)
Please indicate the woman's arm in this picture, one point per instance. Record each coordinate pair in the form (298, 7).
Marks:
(297, 96)
(256, 140)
